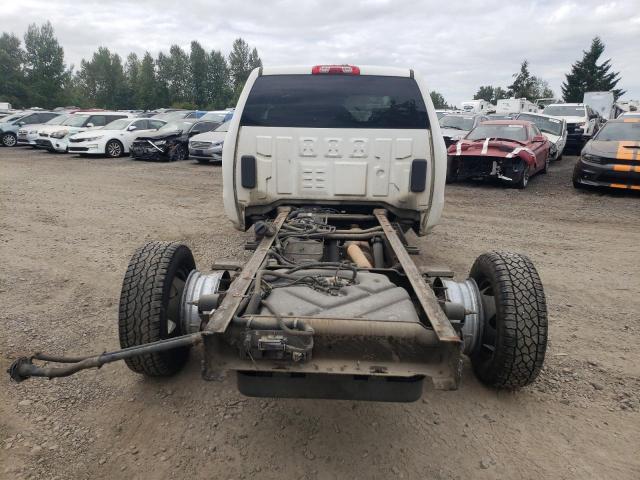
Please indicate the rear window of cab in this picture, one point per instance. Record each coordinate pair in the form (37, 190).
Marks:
(335, 101)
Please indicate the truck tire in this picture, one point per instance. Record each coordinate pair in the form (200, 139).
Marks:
(150, 305)
(514, 337)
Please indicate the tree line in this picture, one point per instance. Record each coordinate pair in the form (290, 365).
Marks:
(586, 75)
(34, 73)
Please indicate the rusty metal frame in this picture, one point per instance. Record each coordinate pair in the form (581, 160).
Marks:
(427, 298)
(343, 346)
(223, 315)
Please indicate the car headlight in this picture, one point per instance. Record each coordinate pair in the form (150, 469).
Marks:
(218, 144)
(92, 139)
(60, 134)
(160, 143)
(589, 157)
(31, 132)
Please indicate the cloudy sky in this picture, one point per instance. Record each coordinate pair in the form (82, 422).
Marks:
(457, 45)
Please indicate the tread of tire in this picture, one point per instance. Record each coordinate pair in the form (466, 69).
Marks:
(524, 308)
(141, 308)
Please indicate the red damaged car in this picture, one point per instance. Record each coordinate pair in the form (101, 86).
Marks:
(510, 150)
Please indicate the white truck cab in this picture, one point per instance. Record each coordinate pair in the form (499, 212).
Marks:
(582, 122)
(335, 135)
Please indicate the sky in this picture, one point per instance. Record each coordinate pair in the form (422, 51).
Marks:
(456, 45)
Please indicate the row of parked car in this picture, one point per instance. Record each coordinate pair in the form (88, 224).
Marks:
(514, 147)
(168, 135)
(508, 147)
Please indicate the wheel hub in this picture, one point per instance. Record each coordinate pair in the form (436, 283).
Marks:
(197, 285)
(467, 294)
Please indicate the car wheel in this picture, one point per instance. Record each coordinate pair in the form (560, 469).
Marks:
(114, 149)
(545, 169)
(524, 179)
(150, 305)
(513, 342)
(179, 153)
(451, 175)
(9, 140)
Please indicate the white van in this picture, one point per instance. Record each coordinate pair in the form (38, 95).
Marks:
(342, 135)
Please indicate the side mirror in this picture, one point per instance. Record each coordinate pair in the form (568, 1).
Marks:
(131, 128)
(89, 125)
(539, 138)
(21, 124)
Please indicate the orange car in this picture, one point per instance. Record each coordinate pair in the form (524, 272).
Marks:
(612, 157)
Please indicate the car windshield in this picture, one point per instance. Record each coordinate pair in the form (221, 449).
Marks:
(619, 131)
(14, 117)
(176, 126)
(335, 101)
(564, 111)
(214, 116)
(503, 131)
(59, 120)
(75, 120)
(548, 125)
(223, 128)
(459, 122)
(119, 124)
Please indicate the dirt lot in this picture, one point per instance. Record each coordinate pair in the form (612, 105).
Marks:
(68, 226)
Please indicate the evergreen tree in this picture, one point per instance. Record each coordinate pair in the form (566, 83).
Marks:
(524, 84)
(44, 66)
(438, 100)
(102, 79)
(241, 62)
(528, 86)
(498, 94)
(163, 79)
(180, 78)
(12, 82)
(587, 76)
(146, 87)
(491, 94)
(198, 67)
(218, 81)
(131, 73)
(254, 60)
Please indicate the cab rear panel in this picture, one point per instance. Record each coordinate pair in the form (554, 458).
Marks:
(351, 140)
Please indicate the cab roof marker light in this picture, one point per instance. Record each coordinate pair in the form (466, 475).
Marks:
(335, 70)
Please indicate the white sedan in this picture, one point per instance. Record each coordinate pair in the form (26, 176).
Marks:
(115, 138)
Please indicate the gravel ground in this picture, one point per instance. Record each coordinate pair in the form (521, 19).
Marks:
(68, 226)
